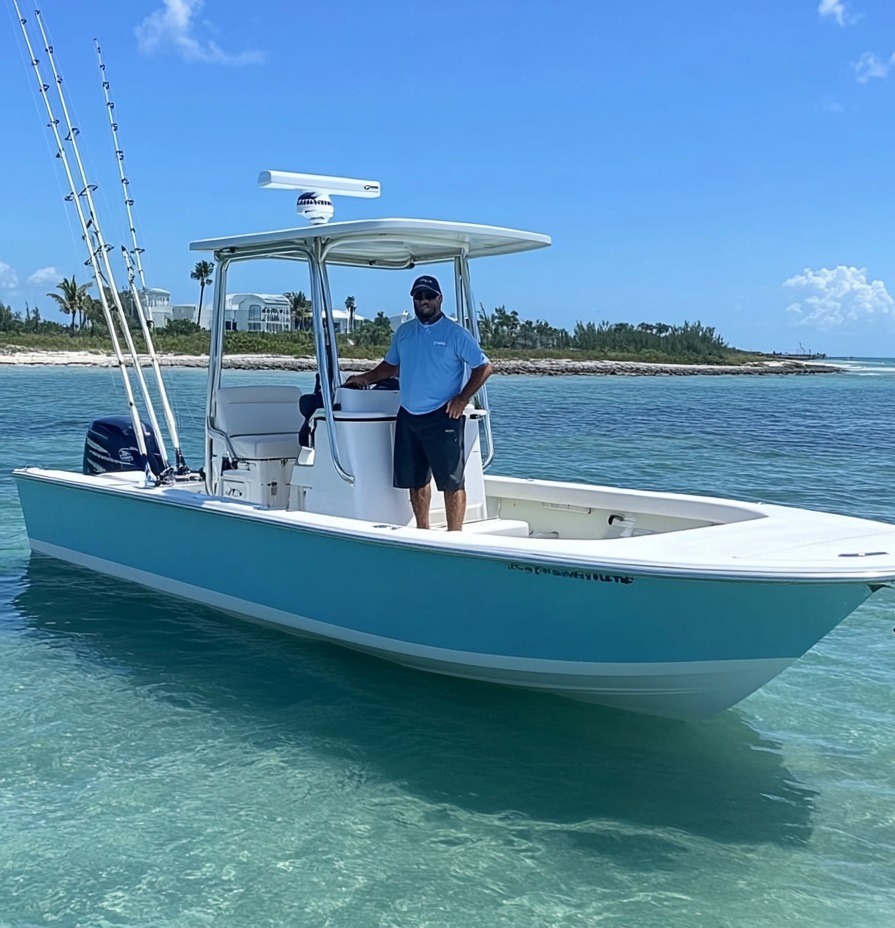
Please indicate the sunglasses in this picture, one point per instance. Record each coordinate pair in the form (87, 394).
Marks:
(424, 294)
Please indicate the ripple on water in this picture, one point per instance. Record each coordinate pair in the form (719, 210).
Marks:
(163, 764)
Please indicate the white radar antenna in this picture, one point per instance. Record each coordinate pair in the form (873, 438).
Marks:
(316, 191)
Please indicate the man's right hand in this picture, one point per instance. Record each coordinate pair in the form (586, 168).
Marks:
(355, 382)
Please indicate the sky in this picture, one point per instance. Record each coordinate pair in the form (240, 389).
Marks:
(721, 161)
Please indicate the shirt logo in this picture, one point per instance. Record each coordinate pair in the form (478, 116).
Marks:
(440, 344)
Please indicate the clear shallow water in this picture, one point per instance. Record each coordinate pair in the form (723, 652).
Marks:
(164, 765)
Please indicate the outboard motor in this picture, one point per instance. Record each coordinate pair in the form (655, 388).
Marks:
(112, 446)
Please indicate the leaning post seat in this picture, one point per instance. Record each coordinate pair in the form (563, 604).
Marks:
(261, 421)
(365, 426)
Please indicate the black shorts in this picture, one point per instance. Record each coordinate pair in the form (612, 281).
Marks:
(427, 445)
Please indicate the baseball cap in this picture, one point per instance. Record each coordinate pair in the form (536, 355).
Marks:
(425, 283)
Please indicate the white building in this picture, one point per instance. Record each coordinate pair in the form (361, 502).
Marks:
(398, 320)
(244, 312)
(270, 312)
(342, 321)
(156, 305)
(257, 312)
(188, 312)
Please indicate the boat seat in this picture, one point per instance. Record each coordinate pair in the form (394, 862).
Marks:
(261, 421)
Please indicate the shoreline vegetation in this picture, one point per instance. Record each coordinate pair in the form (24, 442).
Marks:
(515, 345)
(534, 366)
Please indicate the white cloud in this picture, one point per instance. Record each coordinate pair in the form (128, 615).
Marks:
(869, 66)
(9, 280)
(838, 11)
(172, 26)
(45, 277)
(839, 297)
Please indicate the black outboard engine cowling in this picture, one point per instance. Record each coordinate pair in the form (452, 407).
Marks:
(112, 446)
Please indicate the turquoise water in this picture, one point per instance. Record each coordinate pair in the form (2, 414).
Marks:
(162, 764)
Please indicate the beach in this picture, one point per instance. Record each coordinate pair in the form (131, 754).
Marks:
(545, 367)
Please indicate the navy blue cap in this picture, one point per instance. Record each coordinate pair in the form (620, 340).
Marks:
(426, 283)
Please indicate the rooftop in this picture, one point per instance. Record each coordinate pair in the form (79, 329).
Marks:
(388, 243)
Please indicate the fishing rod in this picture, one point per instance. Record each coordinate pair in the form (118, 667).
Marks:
(102, 249)
(180, 464)
(74, 196)
(137, 251)
(133, 261)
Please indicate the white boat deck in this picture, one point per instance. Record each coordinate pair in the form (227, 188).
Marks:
(799, 545)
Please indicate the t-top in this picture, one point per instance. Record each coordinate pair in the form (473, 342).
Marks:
(433, 359)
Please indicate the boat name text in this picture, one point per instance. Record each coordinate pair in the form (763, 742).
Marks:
(569, 574)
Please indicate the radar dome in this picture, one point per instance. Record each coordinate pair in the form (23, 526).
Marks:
(316, 207)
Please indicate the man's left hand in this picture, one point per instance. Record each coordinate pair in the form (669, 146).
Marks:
(456, 406)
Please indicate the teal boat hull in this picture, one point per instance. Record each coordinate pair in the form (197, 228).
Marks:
(643, 641)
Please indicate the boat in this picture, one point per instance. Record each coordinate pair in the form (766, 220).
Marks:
(660, 603)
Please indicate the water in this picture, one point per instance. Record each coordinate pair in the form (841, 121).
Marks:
(164, 765)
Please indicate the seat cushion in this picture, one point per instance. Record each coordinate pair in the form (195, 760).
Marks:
(258, 410)
(261, 421)
(265, 447)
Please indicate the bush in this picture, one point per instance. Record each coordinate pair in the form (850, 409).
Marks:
(180, 327)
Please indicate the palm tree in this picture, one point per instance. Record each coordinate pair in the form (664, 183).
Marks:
(202, 272)
(486, 327)
(299, 308)
(94, 316)
(351, 306)
(506, 327)
(72, 299)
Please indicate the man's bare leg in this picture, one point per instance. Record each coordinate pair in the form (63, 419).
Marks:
(420, 499)
(455, 508)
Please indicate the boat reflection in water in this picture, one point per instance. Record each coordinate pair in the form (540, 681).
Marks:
(597, 776)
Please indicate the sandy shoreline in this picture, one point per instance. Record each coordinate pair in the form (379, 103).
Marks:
(540, 367)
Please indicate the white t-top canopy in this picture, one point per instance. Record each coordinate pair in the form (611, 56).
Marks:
(389, 243)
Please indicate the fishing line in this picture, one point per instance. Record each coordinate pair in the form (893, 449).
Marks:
(103, 249)
(89, 227)
(84, 155)
(134, 265)
(136, 251)
(74, 235)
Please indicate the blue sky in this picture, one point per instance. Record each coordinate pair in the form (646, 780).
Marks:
(722, 161)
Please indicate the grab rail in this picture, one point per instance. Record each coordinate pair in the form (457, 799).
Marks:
(325, 359)
(461, 272)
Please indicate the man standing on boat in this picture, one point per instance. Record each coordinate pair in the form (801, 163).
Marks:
(432, 354)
